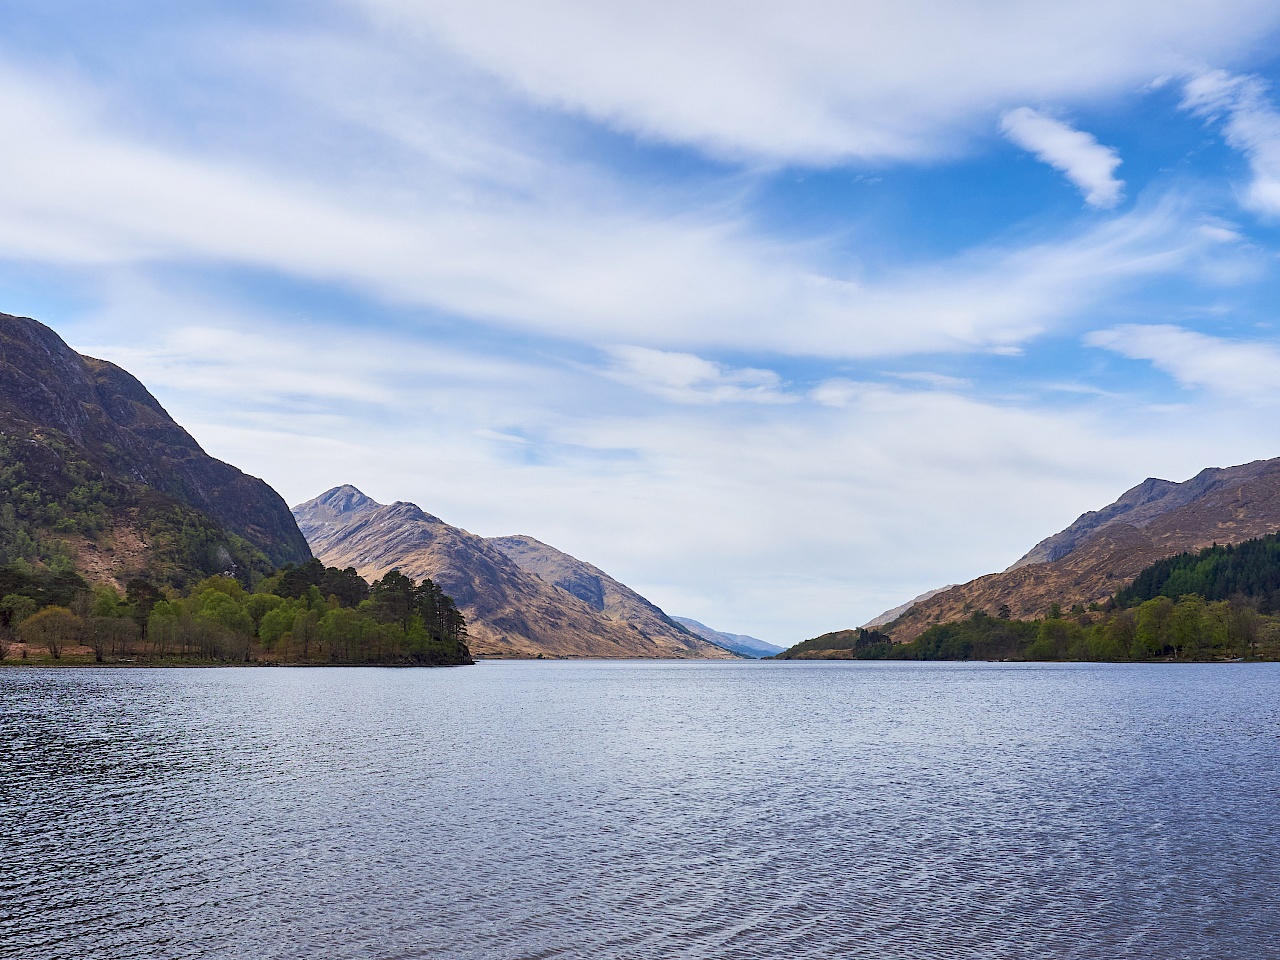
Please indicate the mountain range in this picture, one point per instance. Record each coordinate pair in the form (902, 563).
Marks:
(1103, 550)
(97, 480)
(739, 643)
(521, 597)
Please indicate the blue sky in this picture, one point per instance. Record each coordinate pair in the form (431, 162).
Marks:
(779, 313)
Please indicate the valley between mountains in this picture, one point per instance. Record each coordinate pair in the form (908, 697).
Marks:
(121, 538)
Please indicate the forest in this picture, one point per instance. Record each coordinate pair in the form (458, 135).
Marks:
(309, 614)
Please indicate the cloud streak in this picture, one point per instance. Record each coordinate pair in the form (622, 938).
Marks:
(1231, 367)
(685, 378)
(1251, 125)
(1077, 155)
(816, 82)
(595, 268)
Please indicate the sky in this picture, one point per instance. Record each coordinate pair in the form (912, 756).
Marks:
(779, 313)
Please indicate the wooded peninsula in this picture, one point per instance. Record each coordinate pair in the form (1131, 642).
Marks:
(308, 614)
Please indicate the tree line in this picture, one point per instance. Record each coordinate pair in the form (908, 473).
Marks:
(1162, 628)
(311, 614)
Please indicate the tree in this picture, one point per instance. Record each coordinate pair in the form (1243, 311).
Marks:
(394, 599)
(1151, 632)
(1121, 630)
(54, 627)
(142, 596)
(1186, 624)
(1242, 626)
(16, 607)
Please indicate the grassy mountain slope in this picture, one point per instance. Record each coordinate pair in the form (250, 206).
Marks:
(1104, 550)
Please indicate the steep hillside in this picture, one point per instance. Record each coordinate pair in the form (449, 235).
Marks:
(509, 611)
(97, 474)
(597, 589)
(1105, 549)
(891, 615)
(739, 643)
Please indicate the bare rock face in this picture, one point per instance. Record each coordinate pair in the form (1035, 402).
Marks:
(510, 611)
(1105, 549)
(71, 406)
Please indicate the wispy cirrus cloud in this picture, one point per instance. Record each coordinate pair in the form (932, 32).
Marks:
(686, 378)
(593, 266)
(1251, 124)
(1076, 154)
(816, 82)
(1233, 367)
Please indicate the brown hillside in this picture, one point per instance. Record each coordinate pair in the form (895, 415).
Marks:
(1103, 550)
(597, 589)
(509, 611)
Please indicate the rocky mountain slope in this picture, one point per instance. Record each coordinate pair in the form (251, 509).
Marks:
(93, 465)
(510, 611)
(739, 643)
(597, 589)
(1103, 550)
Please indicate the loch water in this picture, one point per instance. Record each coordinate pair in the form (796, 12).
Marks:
(602, 810)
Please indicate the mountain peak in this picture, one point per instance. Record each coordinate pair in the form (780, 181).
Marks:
(346, 499)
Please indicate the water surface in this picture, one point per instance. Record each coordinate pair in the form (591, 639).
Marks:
(640, 809)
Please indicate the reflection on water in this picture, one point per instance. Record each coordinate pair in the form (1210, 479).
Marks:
(599, 810)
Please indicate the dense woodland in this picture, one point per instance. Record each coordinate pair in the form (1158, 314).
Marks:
(299, 615)
(1250, 569)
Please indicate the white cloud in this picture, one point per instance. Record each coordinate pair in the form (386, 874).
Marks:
(1252, 126)
(937, 381)
(1077, 155)
(815, 81)
(590, 266)
(1232, 367)
(686, 378)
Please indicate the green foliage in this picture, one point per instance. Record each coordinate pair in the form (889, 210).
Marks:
(51, 496)
(1250, 569)
(860, 644)
(1189, 628)
(979, 637)
(397, 621)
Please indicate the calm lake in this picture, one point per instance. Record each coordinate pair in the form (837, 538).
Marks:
(642, 810)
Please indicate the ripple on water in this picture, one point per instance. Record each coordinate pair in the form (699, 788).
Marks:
(637, 810)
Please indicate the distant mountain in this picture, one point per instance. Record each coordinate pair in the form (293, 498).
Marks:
(597, 589)
(510, 611)
(739, 643)
(95, 473)
(1104, 550)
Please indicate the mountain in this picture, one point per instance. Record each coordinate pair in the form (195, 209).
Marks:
(739, 643)
(1104, 550)
(94, 472)
(510, 611)
(597, 589)
(891, 615)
